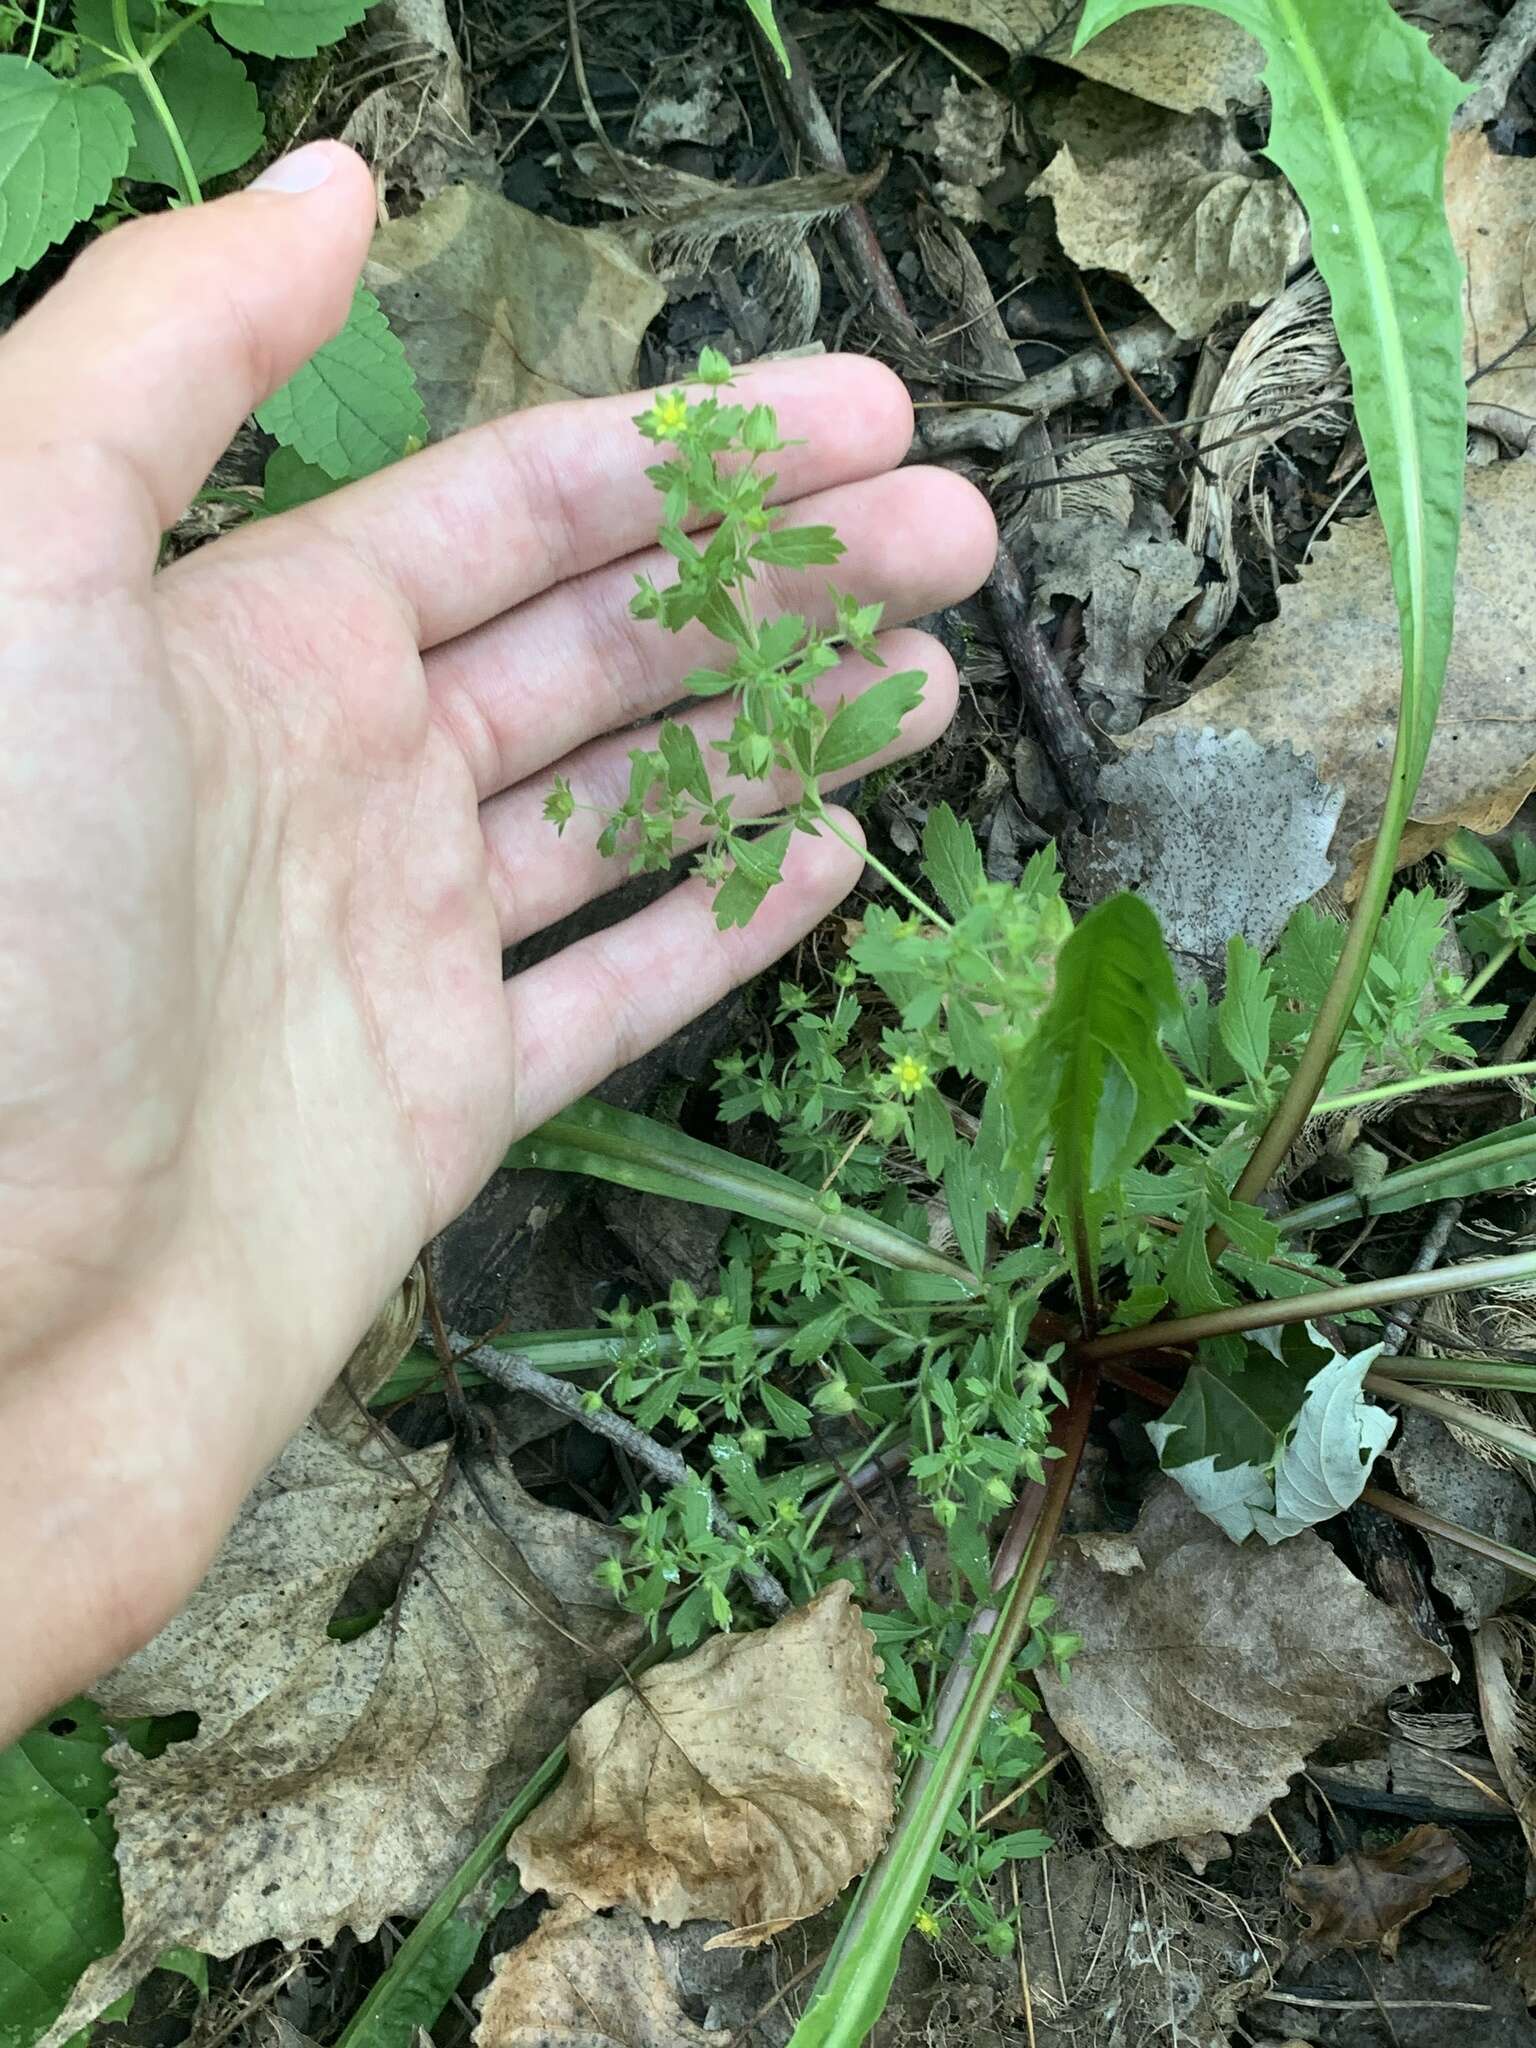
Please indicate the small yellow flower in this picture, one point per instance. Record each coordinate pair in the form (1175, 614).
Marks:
(926, 1924)
(910, 1076)
(669, 415)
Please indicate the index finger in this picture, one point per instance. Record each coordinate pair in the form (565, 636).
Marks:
(468, 529)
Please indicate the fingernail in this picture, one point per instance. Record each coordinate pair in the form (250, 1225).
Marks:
(301, 172)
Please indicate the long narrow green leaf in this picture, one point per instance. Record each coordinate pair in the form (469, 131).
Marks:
(637, 1152)
(1501, 1159)
(1361, 122)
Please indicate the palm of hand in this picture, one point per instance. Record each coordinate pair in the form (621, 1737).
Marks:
(276, 815)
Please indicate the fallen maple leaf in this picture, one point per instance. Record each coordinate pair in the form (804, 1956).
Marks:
(583, 1982)
(334, 1783)
(1210, 1670)
(1365, 1900)
(748, 1783)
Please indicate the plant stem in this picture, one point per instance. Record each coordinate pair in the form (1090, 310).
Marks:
(1181, 1331)
(1362, 1098)
(1436, 1525)
(924, 910)
(1485, 974)
(139, 65)
(1487, 1373)
(1452, 1165)
(1492, 1428)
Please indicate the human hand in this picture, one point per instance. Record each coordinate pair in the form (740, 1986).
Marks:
(271, 817)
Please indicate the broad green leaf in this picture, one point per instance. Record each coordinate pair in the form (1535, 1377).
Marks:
(60, 1907)
(633, 1151)
(1100, 1078)
(762, 13)
(285, 28)
(755, 869)
(354, 406)
(61, 147)
(870, 721)
(1280, 1444)
(965, 1192)
(1500, 1159)
(1476, 862)
(1246, 1011)
(798, 547)
(289, 480)
(1360, 124)
(207, 93)
(952, 860)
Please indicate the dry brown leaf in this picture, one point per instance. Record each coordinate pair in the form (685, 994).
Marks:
(1365, 1900)
(330, 1783)
(1504, 1654)
(581, 1982)
(1210, 1669)
(748, 1783)
(1180, 57)
(1490, 202)
(499, 308)
(1175, 204)
(1325, 676)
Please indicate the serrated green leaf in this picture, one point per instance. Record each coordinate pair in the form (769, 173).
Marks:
(354, 406)
(966, 1193)
(869, 721)
(206, 90)
(1476, 862)
(285, 28)
(798, 547)
(1245, 1014)
(952, 860)
(1100, 1079)
(762, 13)
(686, 773)
(60, 1906)
(61, 146)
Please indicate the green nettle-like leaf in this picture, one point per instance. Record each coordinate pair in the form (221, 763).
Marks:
(211, 100)
(60, 1906)
(869, 721)
(1283, 1442)
(354, 406)
(1361, 119)
(762, 13)
(1101, 1083)
(286, 28)
(952, 860)
(288, 480)
(61, 147)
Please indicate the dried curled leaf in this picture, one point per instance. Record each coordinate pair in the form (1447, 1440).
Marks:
(1174, 203)
(748, 1783)
(1365, 1900)
(583, 1982)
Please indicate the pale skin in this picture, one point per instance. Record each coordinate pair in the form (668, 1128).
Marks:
(271, 817)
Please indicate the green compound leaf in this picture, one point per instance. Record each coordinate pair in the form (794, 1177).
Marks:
(61, 146)
(354, 406)
(952, 860)
(60, 1907)
(870, 721)
(1360, 126)
(286, 28)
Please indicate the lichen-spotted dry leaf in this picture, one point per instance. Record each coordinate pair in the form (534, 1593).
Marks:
(1173, 203)
(1365, 1900)
(583, 1982)
(1219, 834)
(1210, 1670)
(1325, 676)
(1181, 57)
(334, 1783)
(1490, 202)
(748, 1783)
(499, 308)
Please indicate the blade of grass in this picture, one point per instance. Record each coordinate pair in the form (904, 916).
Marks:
(1486, 1373)
(1415, 1517)
(1493, 1429)
(1503, 1159)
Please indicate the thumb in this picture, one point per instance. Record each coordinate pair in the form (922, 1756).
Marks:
(168, 331)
